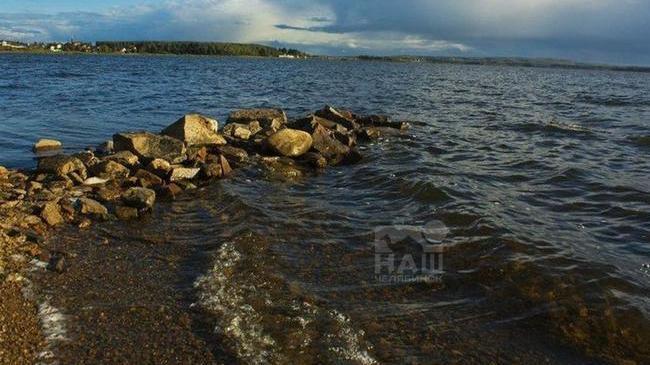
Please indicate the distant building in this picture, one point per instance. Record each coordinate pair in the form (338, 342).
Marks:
(9, 44)
(287, 56)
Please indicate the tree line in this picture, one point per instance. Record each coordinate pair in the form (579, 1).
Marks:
(193, 48)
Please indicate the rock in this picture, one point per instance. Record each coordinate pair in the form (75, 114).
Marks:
(328, 146)
(51, 213)
(94, 181)
(281, 168)
(140, 198)
(88, 158)
(109, 193)
(211, 170)
(57, 262)
(61, 165)
(372, 133)
(106, 148)
(110, 170)
(344, 118)
(171, 190)
(146, 179)
(3, 171)
(126, 213)
(290, 142)
(243, 131)
(76, 178)
(382, 121)
(267, 118)
(149, 146)
(159, 167)
(309, 123)
(351, 158)
(238, 155)
(126, 158)
(349, 139)
(47, 145)
(197, 154)
(195, 129)
(225, 165)
(92, 207)
(183, 173)
(315, 160)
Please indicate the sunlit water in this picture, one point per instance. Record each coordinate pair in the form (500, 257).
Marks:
(541, 177)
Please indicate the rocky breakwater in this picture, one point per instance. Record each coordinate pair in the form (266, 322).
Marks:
(122, 179)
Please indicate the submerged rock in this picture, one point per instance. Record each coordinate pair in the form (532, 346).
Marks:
(61, 165)
(290, 142)
(281, 168)
(237, 155)
(47, 145)
(195, 129)
(126, 213)
(148, 146)
(141, 198)
(382, 121)
(267, 118)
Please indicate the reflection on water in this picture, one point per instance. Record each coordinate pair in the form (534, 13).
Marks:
(540, 176)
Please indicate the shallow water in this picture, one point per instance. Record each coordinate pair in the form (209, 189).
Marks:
(540, 179)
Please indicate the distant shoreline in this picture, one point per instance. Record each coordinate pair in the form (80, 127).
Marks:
(477, 61)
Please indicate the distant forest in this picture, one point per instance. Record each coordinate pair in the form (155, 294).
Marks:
(194, 48)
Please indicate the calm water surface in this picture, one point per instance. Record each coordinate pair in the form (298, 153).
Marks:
(541, 177)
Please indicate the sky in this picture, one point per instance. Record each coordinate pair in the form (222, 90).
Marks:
(601, 31)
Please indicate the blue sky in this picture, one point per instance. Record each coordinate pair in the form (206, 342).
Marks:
(608, 31)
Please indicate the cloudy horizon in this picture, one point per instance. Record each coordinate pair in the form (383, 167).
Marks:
(604, 31)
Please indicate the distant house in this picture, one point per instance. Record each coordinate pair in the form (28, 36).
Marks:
(287, 56)
(9, 44)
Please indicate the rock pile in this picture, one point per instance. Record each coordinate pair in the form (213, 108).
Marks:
(123, 177)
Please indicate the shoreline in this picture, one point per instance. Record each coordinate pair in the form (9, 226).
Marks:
(468, 61)
(122, 179)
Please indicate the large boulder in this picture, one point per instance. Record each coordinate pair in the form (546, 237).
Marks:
(267, 118)
(141, 198)
(290, 142)
(148, 146)
(195, 129)
(61, 165)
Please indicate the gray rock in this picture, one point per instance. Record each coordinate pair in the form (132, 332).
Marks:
(290, 142)
(140, 198)
(148, 146)
(195, 129)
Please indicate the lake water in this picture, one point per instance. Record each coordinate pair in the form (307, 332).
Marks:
(536, 181)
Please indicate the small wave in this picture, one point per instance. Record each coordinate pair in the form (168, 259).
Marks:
(612, 100)
(554, 127)
(264, 321)
(68, 75)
